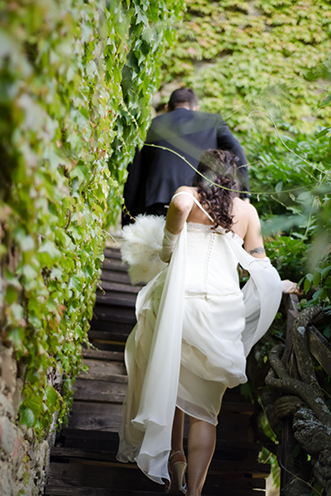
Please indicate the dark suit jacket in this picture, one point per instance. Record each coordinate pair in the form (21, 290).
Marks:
(155, 174)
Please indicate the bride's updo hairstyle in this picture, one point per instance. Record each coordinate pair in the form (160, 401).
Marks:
(218, 167)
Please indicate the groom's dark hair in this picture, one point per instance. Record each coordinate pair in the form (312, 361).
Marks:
(182, 96)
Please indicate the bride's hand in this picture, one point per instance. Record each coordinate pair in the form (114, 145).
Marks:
(290, 287)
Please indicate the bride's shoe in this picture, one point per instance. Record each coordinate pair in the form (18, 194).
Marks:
(177, 467)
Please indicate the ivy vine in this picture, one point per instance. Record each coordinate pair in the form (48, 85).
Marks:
(264, 54)
(77, 80)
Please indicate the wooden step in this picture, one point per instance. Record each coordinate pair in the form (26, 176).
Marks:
(111, 356)
(102, 416)
(128, 477)
(119, 288)
(95, 416)
(116, 299)
(114, 264)
(101, 391)
(115, 276)
(113, 313)
(111, 336)
(102, 370)
(91, 491)
(109, 326)
(80, 446)
(112, 253)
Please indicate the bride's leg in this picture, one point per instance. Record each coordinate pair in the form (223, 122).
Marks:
(201, 447)
(177, 460)
(177, 431)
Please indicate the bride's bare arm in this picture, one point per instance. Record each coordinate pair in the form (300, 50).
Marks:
(178, 211)
(253, 241)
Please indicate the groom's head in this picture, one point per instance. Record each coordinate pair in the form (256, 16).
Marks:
(182, 98)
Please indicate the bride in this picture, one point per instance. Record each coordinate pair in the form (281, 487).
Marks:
(195, 327)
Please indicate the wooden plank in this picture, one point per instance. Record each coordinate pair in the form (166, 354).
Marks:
(233, 427)
(320, 348)
(123, 379)
(109, 336)
(121, 288)
(102, 416)
(101, 391)
(94, 444)
(118, 337)
(95, 416)
(288, 442)
(114, 314)
(108, 345)
(235, 468)
(86, 444)
(227, 450)
(109, 437)
(108, 442)
(234, 394)
(217, 481)
(119, 327)
(291, 302)
(237, 407)
(83, 454)
(112, 253)
(115, 276)
(97, 368)
(92, 491)
(89, 440)
(122, 300)
(100, 477)
(240, 460)
(115, 356)
(130, 477)
(114, 264)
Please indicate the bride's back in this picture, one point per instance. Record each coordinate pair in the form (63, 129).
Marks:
(240, 211)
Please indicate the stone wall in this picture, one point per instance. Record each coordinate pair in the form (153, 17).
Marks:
(23, 460)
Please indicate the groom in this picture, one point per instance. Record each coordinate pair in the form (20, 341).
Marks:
(156, 173)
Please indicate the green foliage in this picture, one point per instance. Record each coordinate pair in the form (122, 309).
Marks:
(77, 79)
(268, 55)
(292, 192)
(289, 178)
(260, 63)
(266, 456)
(149, 25)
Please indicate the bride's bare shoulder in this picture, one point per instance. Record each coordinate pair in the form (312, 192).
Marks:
(189, 191)
(243, 208)
(186, 189)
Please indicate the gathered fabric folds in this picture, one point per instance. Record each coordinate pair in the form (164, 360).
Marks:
(194, 330)
(152, 357)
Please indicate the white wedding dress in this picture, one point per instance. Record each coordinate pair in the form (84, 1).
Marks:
(194, 329)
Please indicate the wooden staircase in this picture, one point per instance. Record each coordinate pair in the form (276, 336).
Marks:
(83, 460)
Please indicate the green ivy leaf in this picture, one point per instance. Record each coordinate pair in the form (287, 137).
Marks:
(48, 253)
(324, 131)
(316, 278)
(308, 282)
(27, 418)
(51, 396)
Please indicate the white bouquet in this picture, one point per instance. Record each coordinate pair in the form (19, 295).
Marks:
(141, 246)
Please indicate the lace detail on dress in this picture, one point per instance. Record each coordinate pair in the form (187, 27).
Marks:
(193, 226)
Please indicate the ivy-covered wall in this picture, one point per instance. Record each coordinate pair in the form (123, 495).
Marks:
(77, 79)
(265, 55)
